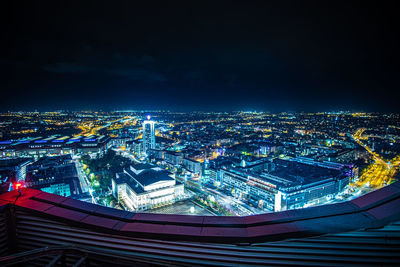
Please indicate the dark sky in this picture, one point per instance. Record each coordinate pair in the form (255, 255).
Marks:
(216, 55)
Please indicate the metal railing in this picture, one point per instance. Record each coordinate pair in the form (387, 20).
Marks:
(72, 256)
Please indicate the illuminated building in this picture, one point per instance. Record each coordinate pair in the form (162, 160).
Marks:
(11, 171)
(143, 186)
(157, 154)
(191, 165)
(289, 184)
(56, 175)
(135, 146)
(149, 138)
(54, 145)
(173, 158)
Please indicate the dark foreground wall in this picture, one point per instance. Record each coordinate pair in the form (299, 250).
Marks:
(337, 234)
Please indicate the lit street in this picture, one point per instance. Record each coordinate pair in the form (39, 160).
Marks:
(380, 172)
(85, 184)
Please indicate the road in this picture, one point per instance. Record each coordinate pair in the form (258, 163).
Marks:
(380, 172)
(186, 207)
(84, 181)
(85, 184)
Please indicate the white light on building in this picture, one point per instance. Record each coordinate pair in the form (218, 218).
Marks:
(149, 138)
(143, 186)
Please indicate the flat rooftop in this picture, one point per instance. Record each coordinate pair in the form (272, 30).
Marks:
(301, 173)
(10, 163)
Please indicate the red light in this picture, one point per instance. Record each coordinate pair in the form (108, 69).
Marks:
(17, 186)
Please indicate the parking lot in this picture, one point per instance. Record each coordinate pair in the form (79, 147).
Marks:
(183, 208)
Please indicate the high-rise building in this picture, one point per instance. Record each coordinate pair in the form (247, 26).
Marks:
(149, 138)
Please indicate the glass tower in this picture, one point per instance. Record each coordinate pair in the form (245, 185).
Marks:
(149, 138)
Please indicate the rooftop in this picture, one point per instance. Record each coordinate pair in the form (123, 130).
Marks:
(149, 176)
(59, 172)
(51, 161)
(11, 163)
(301, 173)
(142, 166)
(124, 178)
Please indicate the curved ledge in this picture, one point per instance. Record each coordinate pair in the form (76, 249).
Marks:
(372, 210)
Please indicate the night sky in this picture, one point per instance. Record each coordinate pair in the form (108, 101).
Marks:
(248, 55)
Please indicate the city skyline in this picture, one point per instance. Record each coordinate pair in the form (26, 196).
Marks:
(230, 163)
(210, 133)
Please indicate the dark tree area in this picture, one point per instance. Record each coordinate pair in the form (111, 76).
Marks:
(104, 168)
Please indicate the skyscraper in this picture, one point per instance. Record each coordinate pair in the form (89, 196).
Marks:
(149, 138)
